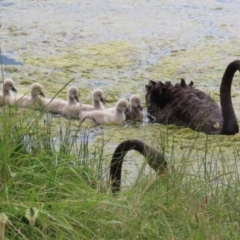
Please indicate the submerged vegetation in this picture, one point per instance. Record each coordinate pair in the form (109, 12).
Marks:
(54, 185)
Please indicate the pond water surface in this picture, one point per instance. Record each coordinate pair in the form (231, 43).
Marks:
(119, 46)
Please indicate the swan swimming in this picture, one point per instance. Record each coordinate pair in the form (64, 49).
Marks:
(32, 101)
(184, 105)
(97, 101)
(102, 117)
(71, 109)
(60, 106)
(6, 96)
(135, 112)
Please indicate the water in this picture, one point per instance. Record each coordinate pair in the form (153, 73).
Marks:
(119, 46)
(9, 61)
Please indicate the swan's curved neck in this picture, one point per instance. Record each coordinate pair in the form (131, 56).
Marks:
(230, 125)
(97, 104)
(155, 159)
(71, 100)
(34, 95)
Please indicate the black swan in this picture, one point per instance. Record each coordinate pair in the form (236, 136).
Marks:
(156, 160)
(183, 105)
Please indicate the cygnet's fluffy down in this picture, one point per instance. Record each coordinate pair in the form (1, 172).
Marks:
(102, 117)
(32, 101)
(97, 101)
(6, 96)
(59, 106)
(72, 109)
(135, 112)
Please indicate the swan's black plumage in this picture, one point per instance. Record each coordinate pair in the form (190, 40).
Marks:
(230, 125)
(155, 160)
(183, 105)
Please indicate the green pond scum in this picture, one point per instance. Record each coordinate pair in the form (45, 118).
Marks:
(118, 46)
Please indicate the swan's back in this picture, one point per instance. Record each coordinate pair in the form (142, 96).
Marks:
(32, 101)
(97, 101)
(135, 112)
(102, 117)
(183, 105)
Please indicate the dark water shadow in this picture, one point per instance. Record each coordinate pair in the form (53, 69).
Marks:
(10, 61)
(5, 4)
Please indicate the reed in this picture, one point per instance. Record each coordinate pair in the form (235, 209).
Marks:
(49, 167)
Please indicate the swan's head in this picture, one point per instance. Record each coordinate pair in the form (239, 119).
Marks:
(73, 93)
(36, 90)
(135, 101)
(8, 85)
(97, 95)
(122, 105)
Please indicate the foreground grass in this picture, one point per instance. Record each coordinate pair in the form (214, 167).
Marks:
(52, 187)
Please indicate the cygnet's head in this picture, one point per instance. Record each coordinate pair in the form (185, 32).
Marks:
(122, 105)
(97, 95)
(135, 101)
(36, 90)
(8, 85)
(73, 92)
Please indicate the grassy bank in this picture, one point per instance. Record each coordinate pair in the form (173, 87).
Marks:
(52, 186)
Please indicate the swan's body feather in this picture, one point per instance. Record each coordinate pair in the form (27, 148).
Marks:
(60, 106)
(135, 112)
(32, 101)
(97, 101)
(102, 117)
(183, 105)
(6, 97)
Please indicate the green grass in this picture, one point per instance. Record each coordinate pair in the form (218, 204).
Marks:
(51, 168)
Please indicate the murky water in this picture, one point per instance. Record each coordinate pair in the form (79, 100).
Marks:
(119, 46)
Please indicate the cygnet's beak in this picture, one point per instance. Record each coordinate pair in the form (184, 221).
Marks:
(14, 89)
(76, 98)
(42, 94)
(102, 100)
(140, 107)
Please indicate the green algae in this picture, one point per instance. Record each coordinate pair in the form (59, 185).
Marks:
(105, 55)
(201, 63)
(11, 69)
(125, 67)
